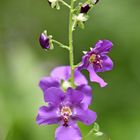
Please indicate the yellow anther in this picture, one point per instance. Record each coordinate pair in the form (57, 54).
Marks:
(92, 58)
(66, 111)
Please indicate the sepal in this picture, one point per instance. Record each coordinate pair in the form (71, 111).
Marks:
(54, 4)
(46, 41)
(79, 20)
(51, 42)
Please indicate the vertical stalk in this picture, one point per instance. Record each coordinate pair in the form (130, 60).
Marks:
(71, 57)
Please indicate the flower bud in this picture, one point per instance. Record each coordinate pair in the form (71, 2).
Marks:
(44, 40)
(79, 20)
(54, 4)
(85, 8)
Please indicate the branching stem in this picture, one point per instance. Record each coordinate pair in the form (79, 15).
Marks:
(63, 2)
(61, 45)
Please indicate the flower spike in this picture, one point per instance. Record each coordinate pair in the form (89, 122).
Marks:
(66, 91)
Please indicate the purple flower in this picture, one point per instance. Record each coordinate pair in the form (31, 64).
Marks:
(60, 78)
(65, 109)
(44, 40)
(97, 60)
(85, 8)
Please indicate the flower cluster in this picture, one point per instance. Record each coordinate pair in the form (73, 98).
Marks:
(66, 105)
(66, 91)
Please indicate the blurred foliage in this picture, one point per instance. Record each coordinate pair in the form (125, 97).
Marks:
(23, 63)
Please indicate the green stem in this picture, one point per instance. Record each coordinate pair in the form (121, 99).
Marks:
(75, 66)
(63, 2)
(60, 44)
(71, 57)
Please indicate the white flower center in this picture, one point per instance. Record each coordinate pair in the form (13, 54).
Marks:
(66, 85)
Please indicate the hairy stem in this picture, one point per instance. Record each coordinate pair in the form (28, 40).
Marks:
(71, 57)
(60, 44)
(63, 2)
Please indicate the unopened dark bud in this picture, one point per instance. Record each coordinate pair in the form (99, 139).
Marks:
(85, 8)
(44, 41)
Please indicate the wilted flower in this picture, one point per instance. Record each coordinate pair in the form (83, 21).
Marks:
(60, 78)
(44, 40)
(85, 8)
(65, 109)
(97, 60)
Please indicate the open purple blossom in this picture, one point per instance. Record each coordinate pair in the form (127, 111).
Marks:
(60, 78)
(65, 109)
(85, 8)
(97, 60)
(44, 40)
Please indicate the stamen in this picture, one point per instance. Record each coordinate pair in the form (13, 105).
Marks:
(66, 113)
(92, 58)
(96, 59)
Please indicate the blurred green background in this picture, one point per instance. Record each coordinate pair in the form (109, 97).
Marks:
(23, 63)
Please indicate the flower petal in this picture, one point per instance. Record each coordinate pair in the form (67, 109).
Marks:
(95, 78)
(75, 97)
(47, 115)
(106, 64)
(85, 116)
(47, 82)
(64, 72)
(61, 73)
(79, 78)
(44, 41)
(103, 46)
(68, 133)
(87, 90)
(54, 95)
(84, 64)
